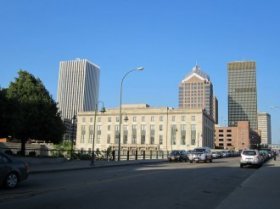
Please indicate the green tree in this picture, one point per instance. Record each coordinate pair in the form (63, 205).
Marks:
(35, 115)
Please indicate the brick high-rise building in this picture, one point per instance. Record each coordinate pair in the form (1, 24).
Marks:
(196, 91)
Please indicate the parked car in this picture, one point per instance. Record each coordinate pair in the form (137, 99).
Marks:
(216, 155)
(251, 157)
(12, 171)
(178, 155)
(203, 154)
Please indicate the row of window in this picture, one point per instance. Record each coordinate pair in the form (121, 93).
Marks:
(228, 130)
(223, 139)
(134, 128)
(134, 118)
(142, 139)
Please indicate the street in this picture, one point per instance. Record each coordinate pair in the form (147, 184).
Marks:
(164, 185)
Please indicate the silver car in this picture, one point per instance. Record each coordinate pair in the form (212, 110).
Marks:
(203, 154)
(12, 171)
(251, 157)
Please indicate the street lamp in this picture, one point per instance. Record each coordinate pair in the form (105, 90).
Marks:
(73, 123)
(120, 116)
(94, 124)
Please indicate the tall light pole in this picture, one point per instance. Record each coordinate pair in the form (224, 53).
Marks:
(73, 123)
(94, 124)
(120, 116)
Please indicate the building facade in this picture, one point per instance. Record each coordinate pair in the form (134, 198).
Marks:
(233, 138)
(78, 89)
(242, 93)
(196, 91)
(215, 110)
(146, 129)
(264, 127)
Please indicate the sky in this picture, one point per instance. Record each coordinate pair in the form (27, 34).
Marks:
(166, 37)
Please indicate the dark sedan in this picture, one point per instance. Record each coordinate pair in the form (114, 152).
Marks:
(178, 155)
(12, 171)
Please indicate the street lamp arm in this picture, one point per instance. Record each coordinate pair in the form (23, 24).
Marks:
(120, 116)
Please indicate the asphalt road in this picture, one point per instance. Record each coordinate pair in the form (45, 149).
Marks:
(164, 185)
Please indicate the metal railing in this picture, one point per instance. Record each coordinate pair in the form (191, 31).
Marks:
(87, 155)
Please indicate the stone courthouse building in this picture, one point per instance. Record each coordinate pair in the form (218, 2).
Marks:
(145, 128)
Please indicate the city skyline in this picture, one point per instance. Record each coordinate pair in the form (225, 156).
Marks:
(166, 40)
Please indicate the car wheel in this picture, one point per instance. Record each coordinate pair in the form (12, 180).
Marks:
(241, 165)
(210, 160)
(11, 180)
(191, 161)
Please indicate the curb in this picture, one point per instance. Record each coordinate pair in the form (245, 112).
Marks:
(93, 167)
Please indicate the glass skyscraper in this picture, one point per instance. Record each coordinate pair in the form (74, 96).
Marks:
(242, 93)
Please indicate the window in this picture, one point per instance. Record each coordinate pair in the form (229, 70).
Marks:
(98, 139)
(117, 119)
(125, 134)
(173, 118)
(161, 118)
(143, 134)
(109, 127)
(117, 133)
(152, 118)
(193, 118)
(134, 119)
(173, 134)
(134, 134)
(160, 139)
(193, 134)
(91, 134)
(3, 159)
(109, 119)
(84, 119)
(83, 133)
(108, 139)
(99, 119)
(221, 130)
(91, 119)
(183, 118)
(143, 119)
(98, 134)
(160, 127)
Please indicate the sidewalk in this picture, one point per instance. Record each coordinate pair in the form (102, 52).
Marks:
(47, 166)
(261, 190)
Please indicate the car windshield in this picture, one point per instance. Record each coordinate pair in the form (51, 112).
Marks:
(249, 152)
(174, 152)
(199, 150)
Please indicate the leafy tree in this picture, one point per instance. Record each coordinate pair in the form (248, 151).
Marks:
(35, 115)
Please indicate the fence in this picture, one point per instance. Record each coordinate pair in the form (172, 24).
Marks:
(87, 155)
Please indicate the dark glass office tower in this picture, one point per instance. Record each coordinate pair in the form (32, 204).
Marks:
(242, 93)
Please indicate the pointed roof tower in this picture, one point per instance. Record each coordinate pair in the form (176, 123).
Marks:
(196, 71)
